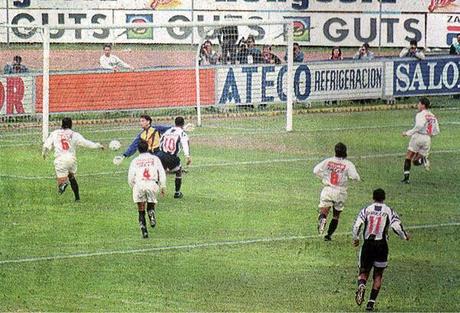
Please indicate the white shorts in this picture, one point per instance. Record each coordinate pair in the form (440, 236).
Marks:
(145, 193)
(332, 197)
(420, 144)
(64, 165)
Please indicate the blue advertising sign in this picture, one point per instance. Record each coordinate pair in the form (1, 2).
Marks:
(431, 76)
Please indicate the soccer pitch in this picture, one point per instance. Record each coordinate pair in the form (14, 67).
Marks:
(244, 236)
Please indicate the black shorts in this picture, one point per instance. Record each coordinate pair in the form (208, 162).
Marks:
(374, 253)
(170, 162)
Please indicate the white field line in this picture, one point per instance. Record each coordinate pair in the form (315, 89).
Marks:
(195, 246)
(241, 163)
(246, 130)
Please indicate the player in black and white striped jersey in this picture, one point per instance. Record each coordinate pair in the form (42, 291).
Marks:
(376, 218)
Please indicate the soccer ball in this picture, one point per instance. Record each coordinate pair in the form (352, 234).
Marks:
(114, 145)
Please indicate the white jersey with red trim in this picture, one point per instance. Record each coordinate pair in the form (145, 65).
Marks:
(173, 140)
(335, 172)
(377, 218)
(146, 169)
(426, 123)
(65, 142)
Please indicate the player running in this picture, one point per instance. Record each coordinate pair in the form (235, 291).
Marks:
(377, 218)
(426, 126)
(170, 145)
(146, 177)
(334, 173)
(65, 142)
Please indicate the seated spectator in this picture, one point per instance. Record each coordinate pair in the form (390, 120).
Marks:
(110, 61)
(254, 54)
(15, 67)
(268, 57)
(412, 51)
(336, 54)
(364, 53)
(455, 47)
(298, 54)
(207, 55)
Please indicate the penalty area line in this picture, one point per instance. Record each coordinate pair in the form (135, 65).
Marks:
(196, 246)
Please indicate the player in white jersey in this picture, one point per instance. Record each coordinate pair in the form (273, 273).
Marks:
(376, 218)
(334, 173)
(426, 126)
(65, 142)
(147, 178)
(171, 143)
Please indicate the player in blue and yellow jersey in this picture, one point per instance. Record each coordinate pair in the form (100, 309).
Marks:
(150, 134)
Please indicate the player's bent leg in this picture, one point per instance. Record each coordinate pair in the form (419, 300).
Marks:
(62, 182)
(333, 224)
(322, 219)
(142, 222)
(407, 165)
(151, 214)
(74, 186)
(360, 291)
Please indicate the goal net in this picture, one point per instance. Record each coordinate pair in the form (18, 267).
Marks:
(105, 72)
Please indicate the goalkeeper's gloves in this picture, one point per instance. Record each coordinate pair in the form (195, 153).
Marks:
(189, 127)
(118, 159)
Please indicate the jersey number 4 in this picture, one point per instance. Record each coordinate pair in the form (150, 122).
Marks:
(147, 174)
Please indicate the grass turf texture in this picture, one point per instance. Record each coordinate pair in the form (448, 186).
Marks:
(249, 180)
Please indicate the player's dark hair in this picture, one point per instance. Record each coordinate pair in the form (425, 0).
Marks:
(66, 123)
(107, 45)
(340, 150)
(147, 117)
(379, 195)
(143, 146)
(425, 101)
(179, 121)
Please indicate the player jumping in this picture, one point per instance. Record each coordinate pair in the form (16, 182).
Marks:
(334, 173)
(65, 142)
(377, 218)
(426, 126)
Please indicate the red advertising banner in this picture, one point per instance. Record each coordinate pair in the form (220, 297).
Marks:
(126, 90)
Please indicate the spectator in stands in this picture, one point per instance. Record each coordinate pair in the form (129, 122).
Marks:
(254, 54)
(364, 53)
(455, 47)
(228, 36)
(207, 55)
(336, 54)
(298, 54)
(412, 51)
(110, 61)
(242, 57)
(268, 57)
(15, 67)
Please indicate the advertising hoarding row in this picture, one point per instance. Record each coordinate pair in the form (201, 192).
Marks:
(235, 85)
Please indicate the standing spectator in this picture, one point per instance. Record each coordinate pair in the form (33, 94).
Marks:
(254, 54)
(146, 177)
(207, 55)
(426, 126)
(65, 142)
(243, 52)
(334, 173)
(412, 51)
(298, 54)
(364, 53)
(228, 36)
(110, 61)
(336, 54)
(268, 57)
(15, 67)
(377, 218)
(455, 47)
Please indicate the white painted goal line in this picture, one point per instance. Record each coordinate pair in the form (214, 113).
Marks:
(196, 246)
(240, 163)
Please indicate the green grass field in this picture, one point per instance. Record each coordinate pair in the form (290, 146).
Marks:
(244, 237)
